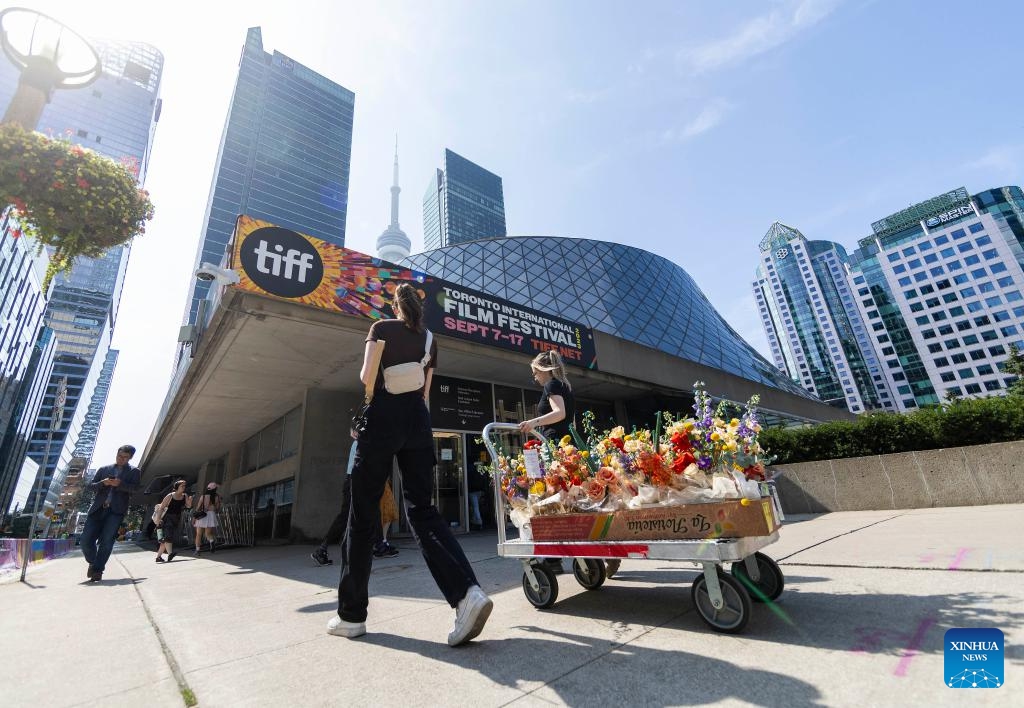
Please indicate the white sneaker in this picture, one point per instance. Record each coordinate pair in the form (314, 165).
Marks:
(340, 628)
(470, 616)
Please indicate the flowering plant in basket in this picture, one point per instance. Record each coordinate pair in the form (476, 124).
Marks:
(703, 458)
(69, 198)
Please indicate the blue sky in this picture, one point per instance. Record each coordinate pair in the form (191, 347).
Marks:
(685, 128)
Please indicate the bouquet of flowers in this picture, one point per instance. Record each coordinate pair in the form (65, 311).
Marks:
(700, 459)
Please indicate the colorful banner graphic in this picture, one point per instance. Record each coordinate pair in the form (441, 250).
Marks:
(12, 551)
(274, 261)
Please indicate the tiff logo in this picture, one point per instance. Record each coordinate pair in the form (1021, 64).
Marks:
(292, 259)
(281, 262)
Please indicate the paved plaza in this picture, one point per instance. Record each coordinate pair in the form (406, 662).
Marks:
(868, 598)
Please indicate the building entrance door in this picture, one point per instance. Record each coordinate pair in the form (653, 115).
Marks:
(450, 480)
(481, 491)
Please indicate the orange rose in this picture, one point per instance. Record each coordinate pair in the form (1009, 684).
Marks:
(594, 490)
(607, 477)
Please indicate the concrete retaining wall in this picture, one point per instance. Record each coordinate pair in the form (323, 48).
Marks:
(955, 476)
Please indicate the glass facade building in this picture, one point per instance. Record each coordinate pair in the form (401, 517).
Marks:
(26, 349)
(620, 290)
(463, 202)
(937, 296)
(86, 443)
(115, 116)
(284, 156)
(944, 281)
(814, 329)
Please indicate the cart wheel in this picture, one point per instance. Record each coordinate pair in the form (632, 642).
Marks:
(589, 572)
(769, 587)
(734, 613)
(611, 567)
(547, 592)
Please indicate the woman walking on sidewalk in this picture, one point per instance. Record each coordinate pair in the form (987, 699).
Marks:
(398, 425)
(209, 503)
(171, 509)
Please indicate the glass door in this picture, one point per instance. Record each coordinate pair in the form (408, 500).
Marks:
(449, 480)
(481, 489)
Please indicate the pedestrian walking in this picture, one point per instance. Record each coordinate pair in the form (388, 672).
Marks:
(113, 485)
(336, 532)
(171, 509)
(398, 425)
(388, 515)
(205, 516)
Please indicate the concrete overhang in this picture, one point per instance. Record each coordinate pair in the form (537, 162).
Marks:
(259, 354)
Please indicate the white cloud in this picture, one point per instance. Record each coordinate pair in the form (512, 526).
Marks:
(588, 96)
(758, 35)
(999, 162)
(710, 116)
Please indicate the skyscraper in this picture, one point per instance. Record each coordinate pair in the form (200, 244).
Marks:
(393, 245)
(86, 443)
(284, 156)
(463, 202)
(116, 116)
(941, 285)
(814, 329)
(26, 350)
(933, 299)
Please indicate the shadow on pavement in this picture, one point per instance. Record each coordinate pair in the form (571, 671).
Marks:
(319, 607)
(870, 622)
(718, 680)
(113, 581)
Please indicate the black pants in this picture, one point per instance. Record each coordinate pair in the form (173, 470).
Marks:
(336, 532)
(398, 426)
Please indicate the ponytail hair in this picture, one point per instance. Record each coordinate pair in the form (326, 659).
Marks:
(408, 307)
(551, 361)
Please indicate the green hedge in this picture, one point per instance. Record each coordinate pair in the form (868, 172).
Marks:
(963, 422)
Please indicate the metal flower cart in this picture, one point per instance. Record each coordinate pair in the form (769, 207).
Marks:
(723, 601)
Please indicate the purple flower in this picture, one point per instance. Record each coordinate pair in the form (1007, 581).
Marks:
(704, 462)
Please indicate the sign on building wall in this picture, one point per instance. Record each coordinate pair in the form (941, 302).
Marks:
(458, 404)
(271, 260)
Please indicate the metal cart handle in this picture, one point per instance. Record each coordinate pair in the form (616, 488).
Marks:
(499, 500)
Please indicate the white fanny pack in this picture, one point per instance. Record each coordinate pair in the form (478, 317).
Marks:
(403, 378)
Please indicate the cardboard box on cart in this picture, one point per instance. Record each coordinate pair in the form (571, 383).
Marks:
(734, 518)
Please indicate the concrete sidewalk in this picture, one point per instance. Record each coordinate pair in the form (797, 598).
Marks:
(868, 597)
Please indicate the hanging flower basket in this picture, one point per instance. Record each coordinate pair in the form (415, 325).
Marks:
(72, 199)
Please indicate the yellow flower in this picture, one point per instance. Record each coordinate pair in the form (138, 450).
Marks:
(716, 436)
(565, 441)
(538, 487)
(584, 453)
(689, 425)
(734, 423)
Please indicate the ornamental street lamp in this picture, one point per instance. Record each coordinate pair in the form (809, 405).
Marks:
(49, 56)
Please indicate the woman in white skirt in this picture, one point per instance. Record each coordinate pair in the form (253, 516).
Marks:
(210, 503)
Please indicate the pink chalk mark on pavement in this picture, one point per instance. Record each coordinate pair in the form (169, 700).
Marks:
(961, 554)
(913, 647)
(927, 558)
